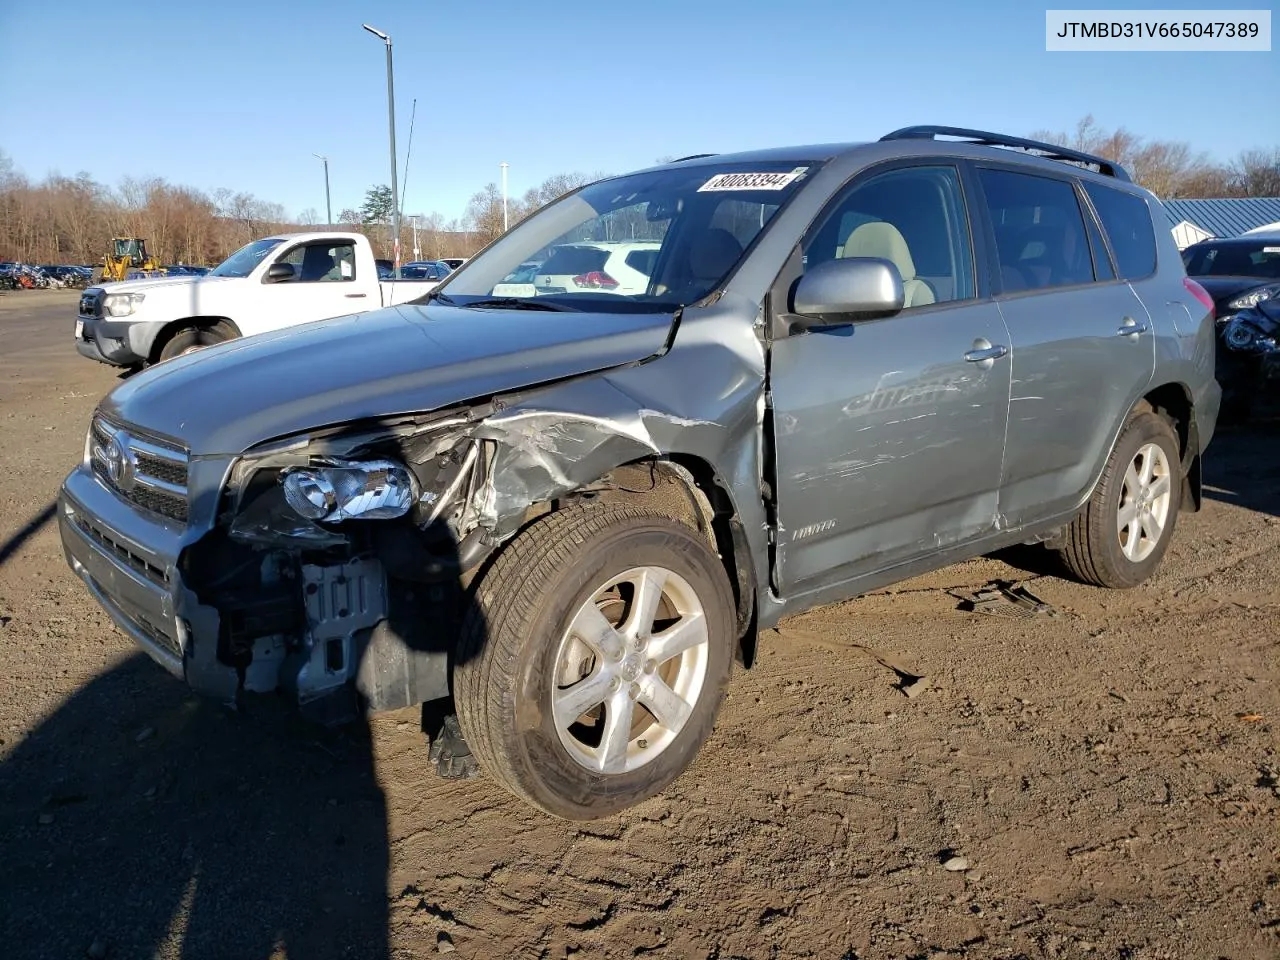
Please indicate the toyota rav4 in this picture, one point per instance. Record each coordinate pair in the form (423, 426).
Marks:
(570, 513)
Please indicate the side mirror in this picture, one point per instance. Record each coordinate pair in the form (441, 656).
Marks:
(846, 291)
(278, 272)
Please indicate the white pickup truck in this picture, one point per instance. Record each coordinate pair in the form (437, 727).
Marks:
(267, 284)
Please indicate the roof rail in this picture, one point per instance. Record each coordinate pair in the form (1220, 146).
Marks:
(1105, 167)
(692, 156)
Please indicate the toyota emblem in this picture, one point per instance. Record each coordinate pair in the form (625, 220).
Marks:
(119, 463)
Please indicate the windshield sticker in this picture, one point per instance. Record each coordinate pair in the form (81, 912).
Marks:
(751, 181)
(1271, 249)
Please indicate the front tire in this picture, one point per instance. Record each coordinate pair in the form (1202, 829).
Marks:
(595, 658)
(1122, 534)
(190, 339)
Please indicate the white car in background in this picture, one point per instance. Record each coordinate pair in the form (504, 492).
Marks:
(611, 266)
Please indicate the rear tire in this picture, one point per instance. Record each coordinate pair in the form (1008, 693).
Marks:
(1122, 534)
(573, 693)
(191, 339)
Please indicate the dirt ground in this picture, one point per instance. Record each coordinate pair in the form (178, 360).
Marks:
(1108, 776)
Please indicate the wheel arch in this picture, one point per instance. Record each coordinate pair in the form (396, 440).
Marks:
(1175, 401)
(704, 502)
(170, 329)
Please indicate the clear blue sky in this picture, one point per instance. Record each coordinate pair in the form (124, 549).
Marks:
(239, 95)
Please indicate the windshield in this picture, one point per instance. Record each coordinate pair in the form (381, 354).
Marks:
(644, 242)
(242, 262)
(1236, 259)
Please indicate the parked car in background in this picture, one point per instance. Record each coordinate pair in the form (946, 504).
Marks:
(275, 282)
(1237, 272)
(1242, 274)
(425, 270)
(613, 266)
(571, 512)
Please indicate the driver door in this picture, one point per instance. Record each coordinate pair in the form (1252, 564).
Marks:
(889, 433)
(324, 285)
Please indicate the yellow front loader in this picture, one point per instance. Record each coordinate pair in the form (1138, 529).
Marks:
(128, 253)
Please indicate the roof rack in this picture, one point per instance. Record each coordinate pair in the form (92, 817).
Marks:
(1049, 150)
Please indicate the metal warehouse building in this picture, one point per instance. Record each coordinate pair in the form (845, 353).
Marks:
(1196, 220)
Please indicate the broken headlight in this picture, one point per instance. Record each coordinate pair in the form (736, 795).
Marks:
(350, 490)
(1254, 297)
(1239, 334)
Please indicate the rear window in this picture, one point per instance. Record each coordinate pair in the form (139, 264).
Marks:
(1127, 221)
(575, 260)
(1039, 231)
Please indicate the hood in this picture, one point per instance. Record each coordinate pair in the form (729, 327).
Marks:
(405, 359)
(1224, 289)
(160, 283)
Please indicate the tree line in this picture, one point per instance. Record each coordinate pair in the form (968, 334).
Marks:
(71, 219)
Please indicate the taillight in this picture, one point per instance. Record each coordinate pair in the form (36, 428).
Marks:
(595, 280)
(1200, 293)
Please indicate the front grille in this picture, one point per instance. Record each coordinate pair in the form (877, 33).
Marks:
(121, 552)
(170, 471)
(149, 474)
(91, 304)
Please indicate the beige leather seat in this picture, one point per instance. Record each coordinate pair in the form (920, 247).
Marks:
(882, 239)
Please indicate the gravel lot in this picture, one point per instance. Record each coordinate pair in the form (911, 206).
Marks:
(1108, 777)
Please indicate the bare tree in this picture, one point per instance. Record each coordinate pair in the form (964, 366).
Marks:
(1256, 173)
(1167, 168)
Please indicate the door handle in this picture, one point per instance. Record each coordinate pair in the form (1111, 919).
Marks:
(985, 353)
(354, 296)
(1131, 328)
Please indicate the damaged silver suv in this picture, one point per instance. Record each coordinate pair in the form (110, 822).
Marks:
(569, 511)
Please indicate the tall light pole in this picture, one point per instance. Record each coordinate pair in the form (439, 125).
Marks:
(391, 120)
(328, 209)
(504, 165)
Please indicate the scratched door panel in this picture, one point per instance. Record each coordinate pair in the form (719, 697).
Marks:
(888, 441)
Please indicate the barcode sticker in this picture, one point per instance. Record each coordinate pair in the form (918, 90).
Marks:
(751, 181)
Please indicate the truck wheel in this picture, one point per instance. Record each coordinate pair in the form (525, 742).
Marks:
(1122, 534)
(191, 339)
(594, 660)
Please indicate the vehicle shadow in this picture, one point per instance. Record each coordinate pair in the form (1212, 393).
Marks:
(27, 531)
(142, 820)
(139, 817)
(1241, 467)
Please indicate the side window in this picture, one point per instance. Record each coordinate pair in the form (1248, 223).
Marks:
(320, 262)
(1127, 220)
(1039, 231)
(913, 217)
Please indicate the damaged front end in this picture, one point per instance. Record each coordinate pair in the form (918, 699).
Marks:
(339, 560)
(335, 563)
(1248, 363)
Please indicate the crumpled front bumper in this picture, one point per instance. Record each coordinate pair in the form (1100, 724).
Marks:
(129, 562)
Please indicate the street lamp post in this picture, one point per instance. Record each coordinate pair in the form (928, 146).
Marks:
(391, 120)
(504, 165)
(328, 208)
